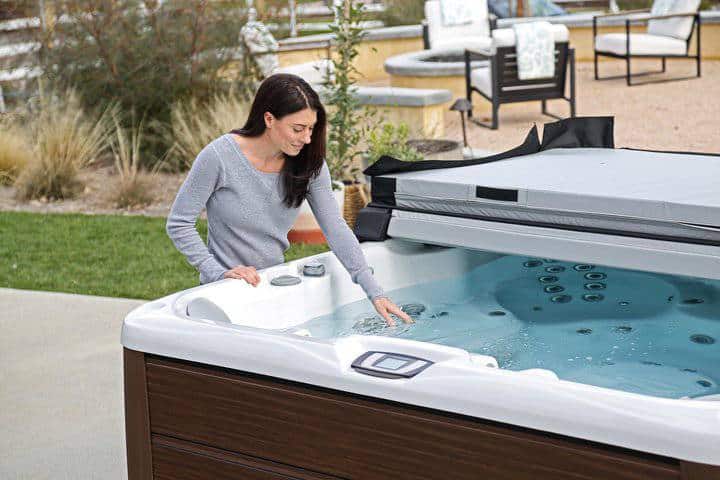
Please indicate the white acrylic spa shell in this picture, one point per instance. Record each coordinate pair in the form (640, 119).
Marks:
(234, 325)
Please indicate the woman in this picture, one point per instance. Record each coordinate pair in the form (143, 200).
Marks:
(252, 182)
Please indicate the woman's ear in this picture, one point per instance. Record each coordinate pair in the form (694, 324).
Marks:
(269, 119)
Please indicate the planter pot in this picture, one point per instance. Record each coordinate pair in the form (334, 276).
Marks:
(306, 229)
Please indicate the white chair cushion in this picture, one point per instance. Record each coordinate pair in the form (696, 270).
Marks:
(481, 79)
(640, 44)
(478, 43)
(437, 32)
(311, 72)
(673, 27)
(505, 37)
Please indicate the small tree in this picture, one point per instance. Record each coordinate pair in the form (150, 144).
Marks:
(346, 123)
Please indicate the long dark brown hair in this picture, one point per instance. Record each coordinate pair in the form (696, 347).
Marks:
(282, 94)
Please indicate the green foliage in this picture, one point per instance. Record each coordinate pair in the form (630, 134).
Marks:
(403, 12)
(392, 141)
(346, 120)
(142, 54)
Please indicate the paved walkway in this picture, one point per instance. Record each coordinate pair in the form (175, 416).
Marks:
(61, 403)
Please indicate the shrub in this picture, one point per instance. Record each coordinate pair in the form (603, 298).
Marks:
(391, 140)
(134, 186)
(403, 12)
(15, 151)
(67, 140)
(142, 54)
(194, 124)
(347, 121)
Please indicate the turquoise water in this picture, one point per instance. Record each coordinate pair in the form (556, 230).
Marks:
(634, 331)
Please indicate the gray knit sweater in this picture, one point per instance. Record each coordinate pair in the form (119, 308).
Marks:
(248, 222)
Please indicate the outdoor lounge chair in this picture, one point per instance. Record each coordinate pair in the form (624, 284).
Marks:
(472, 31)
(670, 27)
(499, 82)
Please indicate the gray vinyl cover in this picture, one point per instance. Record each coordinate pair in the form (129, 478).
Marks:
(653, 193)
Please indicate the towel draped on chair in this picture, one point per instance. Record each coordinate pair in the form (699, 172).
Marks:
(535, 46)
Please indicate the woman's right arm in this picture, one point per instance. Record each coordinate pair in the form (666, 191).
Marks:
(205, 176)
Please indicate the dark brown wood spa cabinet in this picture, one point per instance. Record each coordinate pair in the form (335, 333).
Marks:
(187, 421)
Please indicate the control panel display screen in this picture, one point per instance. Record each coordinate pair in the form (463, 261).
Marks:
(392, 363)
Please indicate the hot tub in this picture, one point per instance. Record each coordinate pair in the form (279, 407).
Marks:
(538, 351)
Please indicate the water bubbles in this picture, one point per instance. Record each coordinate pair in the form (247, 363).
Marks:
(413, 309)
(548, 279)
(584, 331)
(595, 286)
(370, 325)
(704, 383)
(623, 303)
(593, 297)
(595, 276)
(532, 263)
(702, 339)
(555, 269)
(554, 289)
(583, 267)
(496, 313)
(693, 301)
(560, 298)
(622, 329)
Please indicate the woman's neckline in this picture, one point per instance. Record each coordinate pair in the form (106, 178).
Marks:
(246, 159)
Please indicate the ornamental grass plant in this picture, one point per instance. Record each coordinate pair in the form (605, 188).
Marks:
(67, 139)
(194, 124)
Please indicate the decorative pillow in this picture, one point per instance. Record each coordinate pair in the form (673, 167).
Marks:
(456, 12)
(680, 27)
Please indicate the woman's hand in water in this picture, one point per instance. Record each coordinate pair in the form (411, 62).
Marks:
(385, 307)
(249, 274)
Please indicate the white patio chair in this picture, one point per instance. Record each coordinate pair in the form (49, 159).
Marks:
(670, 27)
(263, 47)
(471, 31)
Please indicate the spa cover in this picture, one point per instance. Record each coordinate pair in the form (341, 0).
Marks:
(657, 195)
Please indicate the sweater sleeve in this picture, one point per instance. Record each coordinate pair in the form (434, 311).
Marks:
(340, 238)
(206, 175)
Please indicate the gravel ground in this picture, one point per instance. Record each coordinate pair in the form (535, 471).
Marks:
(678, 115)
(664, 116)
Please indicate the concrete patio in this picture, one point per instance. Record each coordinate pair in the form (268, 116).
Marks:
(62, 395)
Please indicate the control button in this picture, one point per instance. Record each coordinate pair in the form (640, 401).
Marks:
(314, 270)
(285, 281)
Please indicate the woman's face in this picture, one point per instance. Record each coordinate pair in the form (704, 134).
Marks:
(291, 132)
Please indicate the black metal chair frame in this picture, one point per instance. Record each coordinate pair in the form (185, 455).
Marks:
(498, 66)
(628, 74)
(492, 23)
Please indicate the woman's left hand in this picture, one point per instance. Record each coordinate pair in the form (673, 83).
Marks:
(385, 307)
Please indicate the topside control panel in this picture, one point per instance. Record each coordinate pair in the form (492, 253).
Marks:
(389, 365)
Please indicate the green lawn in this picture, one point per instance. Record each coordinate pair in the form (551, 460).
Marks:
(109, 255)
